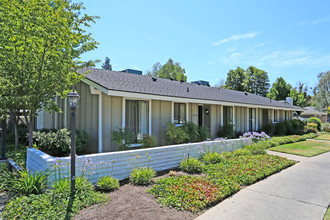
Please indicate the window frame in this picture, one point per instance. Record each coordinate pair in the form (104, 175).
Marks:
(229, 110)
(180, 121)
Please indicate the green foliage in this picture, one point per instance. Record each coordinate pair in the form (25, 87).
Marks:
(268, 127)
(107, 184)
(212, 158)
(41, 56)
(191, 129)
(169, 70)
(235, 79)
(187, 192)
(148, 141)
(123, 138)
(106, 65)
(316, 121)
(56, 203)
(280, 89)
(203, 133)
(256, 81)
(299, 98)
(280, 129)
(81, 142)
(226, 131)
(19, 155)
(325, 127)
(142, 176)
(311, 127)
(322, 92)
(175, 134)
(191, 165)
(297, 126)
(25, 183)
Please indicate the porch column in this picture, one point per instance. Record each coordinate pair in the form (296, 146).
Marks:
(257, 119)
(234, 117)
(221, 115)
(247, 119)
(100, 123)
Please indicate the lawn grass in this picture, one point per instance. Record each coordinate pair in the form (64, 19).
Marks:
(327, 215)
(324, 137)
(306, 148)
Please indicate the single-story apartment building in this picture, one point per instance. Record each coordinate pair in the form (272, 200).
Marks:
(110, 100)
(313, 112)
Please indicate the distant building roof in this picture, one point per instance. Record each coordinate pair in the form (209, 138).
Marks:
(312, 111)
(126, 82)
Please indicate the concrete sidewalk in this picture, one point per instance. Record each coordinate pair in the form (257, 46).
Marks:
(299, 192)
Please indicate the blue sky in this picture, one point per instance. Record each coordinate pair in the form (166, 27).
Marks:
(208, 38)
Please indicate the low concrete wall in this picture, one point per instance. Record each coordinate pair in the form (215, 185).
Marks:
(120, 164)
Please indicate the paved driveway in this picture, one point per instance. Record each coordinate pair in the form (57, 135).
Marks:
(299, 192)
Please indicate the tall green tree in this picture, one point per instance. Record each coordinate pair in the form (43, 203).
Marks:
(41, 43)
(106, 65)
(299, 98)
(169, 70)
(280, 89)
(235, 79)
(256, 81)
(322, 91)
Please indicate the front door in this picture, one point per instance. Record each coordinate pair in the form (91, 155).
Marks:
(200, 115)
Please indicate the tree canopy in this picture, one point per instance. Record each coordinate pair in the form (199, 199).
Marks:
(251, 80)
(279, 90)
(169, 70)
(322, 91)
(106, 65)
(41, 43)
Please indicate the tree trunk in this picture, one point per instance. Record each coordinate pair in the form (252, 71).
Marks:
(30, 128)
(16, 135)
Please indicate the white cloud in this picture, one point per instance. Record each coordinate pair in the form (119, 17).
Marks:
(324, 19)
(235, 37)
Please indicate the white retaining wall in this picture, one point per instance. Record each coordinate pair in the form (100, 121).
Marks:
(120, 164)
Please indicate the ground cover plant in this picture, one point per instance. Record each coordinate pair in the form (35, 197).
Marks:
(222, 179)
(306, 148)
(324, 136)
(327, 215)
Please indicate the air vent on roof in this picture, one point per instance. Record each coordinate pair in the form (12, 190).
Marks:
(138, 72)
(245, 93)
(187, 89)
(208, 85)
(171, 79)
(201, 82)
(154, 79)
(181, 81)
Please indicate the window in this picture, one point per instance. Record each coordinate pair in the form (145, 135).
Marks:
(227, 115)
(275, 115)
(179, 113)
(137, 117)
(287, 115)
(252, 119)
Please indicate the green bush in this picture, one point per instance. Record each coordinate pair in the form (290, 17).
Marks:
(107, 184)
(316, 121)
(311, 127)
(81, 142)
(142, 176)
(212, 158)
(25, 183)
(148, 141)
(297, 126)
(325, 127)
(123, 138)
(226, 131)
(203, 133)
(241, 152)
(268, 127)
(54, 204)
(191, 130)
(191, 165)
(289, 127)
(280, 129)
(175, 134)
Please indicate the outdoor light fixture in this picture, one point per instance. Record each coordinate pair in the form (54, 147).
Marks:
(73, 98)
(206, 111)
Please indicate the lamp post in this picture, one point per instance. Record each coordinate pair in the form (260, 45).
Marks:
(73, 98)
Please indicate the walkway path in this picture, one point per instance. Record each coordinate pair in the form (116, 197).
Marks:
(289, 156)
(299, 192)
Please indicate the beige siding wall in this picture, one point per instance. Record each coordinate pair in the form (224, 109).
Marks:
(160, 115)
(194, 113)
(241, 119)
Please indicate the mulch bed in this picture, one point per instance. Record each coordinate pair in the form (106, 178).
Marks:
(133, 202)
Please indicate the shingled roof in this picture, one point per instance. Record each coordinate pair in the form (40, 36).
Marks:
(313, 111)
(127, 82)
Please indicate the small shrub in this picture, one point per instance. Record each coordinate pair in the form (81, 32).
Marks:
(107, 184)
(297, 126)
(142, 176)
(175, 134)
(268, 127)
(310, 127)
(289, 127)
(191, 165)
(316, 121)
(26, 183)
(172, 173)
(123, 138)
(81, 142)
(242, 152)
(212, 158)
(325, 127)
(148, 141)
(226, 131)
(280, 129)
(191, 130)
(203, 133)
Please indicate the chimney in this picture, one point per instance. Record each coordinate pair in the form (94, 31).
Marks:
(289, 100)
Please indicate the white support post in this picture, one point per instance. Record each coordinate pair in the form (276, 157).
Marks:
(187, 112)
(100, 123)
(247, 119)
(257, 119)
(172, 112)
(65, 117)
(123, 113)
(221, 115)
(150, 118)
(234, 117)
